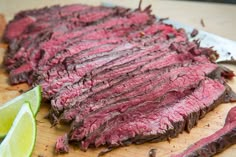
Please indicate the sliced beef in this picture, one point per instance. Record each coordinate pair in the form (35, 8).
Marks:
(77, 71)
(46, 23)
(54, 81)
(159, 122)
(17, 73)
(55, 27)
(129, 33)
(170, 97)
(176, 80)
(65, 96)
(73, 92)
(116, 75)
(42, 19)
(23, 19)
(133, 20)
(20, 74)
(29, 48)
(102, 80)
(16, 28)
(158, 38)
(96, 100)
(215, 143)
(75, 48)
(108, 29)
(56, 31)
(108, 25)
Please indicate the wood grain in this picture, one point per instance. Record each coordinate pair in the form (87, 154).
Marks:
(46, 135)
(2, 25)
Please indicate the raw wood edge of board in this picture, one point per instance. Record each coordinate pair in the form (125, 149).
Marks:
(2, 28)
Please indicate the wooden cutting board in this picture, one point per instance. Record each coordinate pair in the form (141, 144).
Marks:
(47, 135)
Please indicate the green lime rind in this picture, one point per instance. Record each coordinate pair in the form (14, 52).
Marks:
(38, 95)
(35, 124)
(21, 138)
(9, 110)
(34, 98)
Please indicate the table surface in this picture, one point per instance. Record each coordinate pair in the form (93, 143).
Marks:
(219, 19)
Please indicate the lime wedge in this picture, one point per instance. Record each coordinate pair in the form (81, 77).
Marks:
(9, 110)
(20, 139)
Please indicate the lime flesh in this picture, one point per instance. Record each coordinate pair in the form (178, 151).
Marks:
(9, 110)
(20, 139)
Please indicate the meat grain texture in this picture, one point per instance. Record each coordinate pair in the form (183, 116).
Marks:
(117, 76)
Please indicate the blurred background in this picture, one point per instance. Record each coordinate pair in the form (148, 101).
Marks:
(218, 1)
(218, 18)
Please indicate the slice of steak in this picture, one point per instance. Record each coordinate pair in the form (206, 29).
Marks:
(156, 39)
(108, 23)
(118, 61)
(67, 98)
(17, 73)
(58, 26)
(129, 81)
(157, 122)
(161, 28)
(90, 85)
(177, 80)
(53, 81)
(149, 30)
(82, 17)
(20, 74)
(57, 30)
(32, 55)
(75, 71)
(63, 54)
(17, 47)
(16, 28)
(215, 143)
(124, 31)
(112, 28)
(74, 49)
(116, 31)
(23, 19)
(102, 13)
(167, 98)
(42, 20)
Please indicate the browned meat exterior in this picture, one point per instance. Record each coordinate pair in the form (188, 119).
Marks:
(216, 142)
(117, 76)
